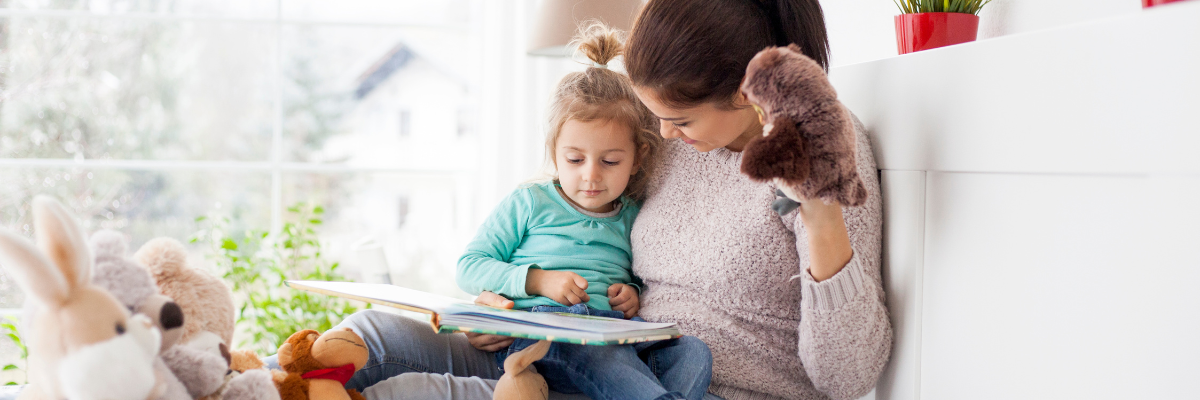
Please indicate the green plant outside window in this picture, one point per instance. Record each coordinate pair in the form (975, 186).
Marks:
(257, 263)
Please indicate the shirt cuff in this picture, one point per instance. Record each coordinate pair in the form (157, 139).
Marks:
(832, 293)
(516, 284)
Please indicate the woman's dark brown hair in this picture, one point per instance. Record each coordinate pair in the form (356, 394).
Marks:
(696, 51)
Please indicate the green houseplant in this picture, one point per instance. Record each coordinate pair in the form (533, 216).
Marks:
(257, 262)
(927, 24)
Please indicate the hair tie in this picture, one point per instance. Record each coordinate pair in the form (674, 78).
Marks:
(599, 65)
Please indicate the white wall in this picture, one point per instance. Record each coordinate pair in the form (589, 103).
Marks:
(863, 30)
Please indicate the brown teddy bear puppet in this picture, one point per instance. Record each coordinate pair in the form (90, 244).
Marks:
(808, 139)
(318, 366)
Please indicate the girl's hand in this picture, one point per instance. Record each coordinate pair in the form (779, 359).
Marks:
(490, 343)
(567, 288)
(624, 298)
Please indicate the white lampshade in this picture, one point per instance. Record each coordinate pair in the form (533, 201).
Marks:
(558, 21)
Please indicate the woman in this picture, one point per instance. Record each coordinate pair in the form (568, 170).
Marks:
(791, 306)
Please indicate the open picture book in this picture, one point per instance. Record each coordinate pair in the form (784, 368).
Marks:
(453, 315)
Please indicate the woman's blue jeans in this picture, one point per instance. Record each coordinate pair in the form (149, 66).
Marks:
(408, 360)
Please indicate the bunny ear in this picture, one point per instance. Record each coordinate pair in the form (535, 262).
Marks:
(520, 360)
(59, 237)
(33, 272)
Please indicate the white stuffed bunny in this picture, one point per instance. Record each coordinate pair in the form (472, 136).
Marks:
(83, 344)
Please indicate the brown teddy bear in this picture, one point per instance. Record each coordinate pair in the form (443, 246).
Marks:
(808, 142)
(318, 366)
(206, 302)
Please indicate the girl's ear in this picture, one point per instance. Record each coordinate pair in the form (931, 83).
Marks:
(642, 152)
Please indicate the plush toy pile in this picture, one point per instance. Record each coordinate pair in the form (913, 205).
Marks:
(106, 326)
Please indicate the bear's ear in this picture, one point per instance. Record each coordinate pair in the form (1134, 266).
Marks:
(795, 48)
(284, 357)
(780, 154)
(299, 337)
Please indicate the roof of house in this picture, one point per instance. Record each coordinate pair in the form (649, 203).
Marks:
(397, 58)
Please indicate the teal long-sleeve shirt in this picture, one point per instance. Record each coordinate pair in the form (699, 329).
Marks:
(535, 227)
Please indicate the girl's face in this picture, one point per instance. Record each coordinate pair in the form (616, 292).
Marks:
(595, 160)
(706, 126)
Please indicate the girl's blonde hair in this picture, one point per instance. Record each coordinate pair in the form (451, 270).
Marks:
(599, 93)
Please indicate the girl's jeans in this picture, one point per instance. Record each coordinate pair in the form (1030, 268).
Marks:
(665, 369)
(408, 360)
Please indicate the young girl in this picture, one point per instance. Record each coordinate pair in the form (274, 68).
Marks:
(563, 245)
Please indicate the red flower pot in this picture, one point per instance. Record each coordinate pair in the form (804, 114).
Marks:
(1152, 3)
(923, 31)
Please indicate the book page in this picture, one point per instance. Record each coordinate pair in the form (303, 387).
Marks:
(382, 294)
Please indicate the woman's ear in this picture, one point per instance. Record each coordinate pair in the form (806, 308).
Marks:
(740, 100)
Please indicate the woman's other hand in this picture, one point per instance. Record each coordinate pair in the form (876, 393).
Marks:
(490, 343)
(624, 298)
(567, 288)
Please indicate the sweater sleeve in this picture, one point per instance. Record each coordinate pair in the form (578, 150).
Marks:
(485, 266)
(845, 335)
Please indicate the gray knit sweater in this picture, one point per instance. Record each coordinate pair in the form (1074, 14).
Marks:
(719, 262)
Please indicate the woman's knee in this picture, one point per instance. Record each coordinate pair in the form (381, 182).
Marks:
(386, 333)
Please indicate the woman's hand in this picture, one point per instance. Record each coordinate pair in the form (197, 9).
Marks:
(828, 242)
(490, 343)
(624, 298)
(567, 288)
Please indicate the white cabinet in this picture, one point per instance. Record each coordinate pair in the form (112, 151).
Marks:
(1042, 211)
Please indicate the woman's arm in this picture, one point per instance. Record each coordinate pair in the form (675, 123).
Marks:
(829, 247)
(845, 336)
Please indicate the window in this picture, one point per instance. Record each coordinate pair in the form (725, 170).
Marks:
(405, 123)
(466, 121)
(143, 116)
(401, 211)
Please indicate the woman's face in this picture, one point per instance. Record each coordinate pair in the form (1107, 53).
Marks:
(706, 126)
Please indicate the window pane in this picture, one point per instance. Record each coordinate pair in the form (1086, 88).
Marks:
(417, 219)
(379, 97)
(136, 89)
(425, 12)
(214, 8)
(141, 204)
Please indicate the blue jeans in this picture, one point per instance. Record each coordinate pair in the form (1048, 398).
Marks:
(665, 369)
(408, 360)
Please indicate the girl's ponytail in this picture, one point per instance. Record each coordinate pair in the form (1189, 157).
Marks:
(599, 43)
(601, 93)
